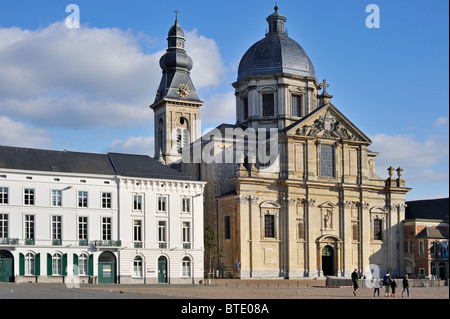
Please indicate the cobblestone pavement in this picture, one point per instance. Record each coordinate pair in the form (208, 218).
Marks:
(220, 290)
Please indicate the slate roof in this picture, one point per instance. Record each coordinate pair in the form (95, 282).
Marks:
(54, 161)
(432, 233)
(427, 209)
(143, 166)
(86, 163)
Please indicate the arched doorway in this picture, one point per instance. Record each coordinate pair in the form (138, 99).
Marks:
(327, 261)
(162, 270)
(6, 266)
(106, 268)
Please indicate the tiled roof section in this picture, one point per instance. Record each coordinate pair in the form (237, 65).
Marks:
(432, 233)
(54, 161)
(86, 163)
(427, 209)
(143, 166)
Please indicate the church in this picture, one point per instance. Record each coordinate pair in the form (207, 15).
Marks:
(291, 186)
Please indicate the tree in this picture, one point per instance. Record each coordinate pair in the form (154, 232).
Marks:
(211, 241)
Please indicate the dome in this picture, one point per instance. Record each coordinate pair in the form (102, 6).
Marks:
(176, 31)
(276, 53)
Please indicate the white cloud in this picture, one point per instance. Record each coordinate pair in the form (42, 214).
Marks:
(220, 108)
(422, 161)
(88, 78)
(143, 145)
(17, 134)
(441, 121)
(208, 66)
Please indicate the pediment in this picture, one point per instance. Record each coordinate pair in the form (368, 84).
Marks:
(327, 204)
(327, 122)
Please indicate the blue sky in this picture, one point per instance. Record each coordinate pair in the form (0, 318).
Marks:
(89, 89)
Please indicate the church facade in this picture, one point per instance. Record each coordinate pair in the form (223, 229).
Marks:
(291, 187)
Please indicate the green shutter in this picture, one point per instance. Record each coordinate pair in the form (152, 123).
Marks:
(37, 264)
(49, 264)
(75, 264)
(91, 265)
(21, 264)
(64, 265)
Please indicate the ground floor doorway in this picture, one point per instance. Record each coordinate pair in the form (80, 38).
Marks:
(106, 268)
(162, 270)
(6, 266)
(327, 261)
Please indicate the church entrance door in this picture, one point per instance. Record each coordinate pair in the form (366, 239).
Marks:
(327, 261)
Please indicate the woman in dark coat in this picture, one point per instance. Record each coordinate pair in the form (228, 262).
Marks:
(355, 278)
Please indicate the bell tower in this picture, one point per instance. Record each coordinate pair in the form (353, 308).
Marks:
(177, 106)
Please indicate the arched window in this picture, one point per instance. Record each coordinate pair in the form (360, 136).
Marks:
(186, 267)
(57, 264)
(29, 264)
(137, 267)
(83, 262)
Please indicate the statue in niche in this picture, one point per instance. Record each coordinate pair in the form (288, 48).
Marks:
(327, 220)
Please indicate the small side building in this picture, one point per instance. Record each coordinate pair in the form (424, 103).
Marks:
(426, 238)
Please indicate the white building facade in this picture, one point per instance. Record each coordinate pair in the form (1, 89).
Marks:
(75, 218)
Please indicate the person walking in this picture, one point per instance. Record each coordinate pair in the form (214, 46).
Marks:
(387, 283)
(376, 286)
(355, 278)
(393, 286)
(405, 283)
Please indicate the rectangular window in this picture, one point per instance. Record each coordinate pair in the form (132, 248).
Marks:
(3, 225)
(297, 105)
(137, 202)
(137, 231)
(227, 227)
(162, 231)
(355, 231)
(327, 160)
(28, 196)
(269, 226)
(106, 200)
(29, 227)
(411, 247)
(186, 232)
(106, 228)
(83, 199)
(56, 198)
(420, 247)
(82, 228)
(268, 104)
(245, 108)
(162, 201)
(3, 195)
(56, 228)
(301, 230)
(186, 205)
(377, 229)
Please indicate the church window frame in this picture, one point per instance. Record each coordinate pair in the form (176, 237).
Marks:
(378, 224)
(270, 221)
(297, 105)
(268, 104)
(245, 109)
(327, 160)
